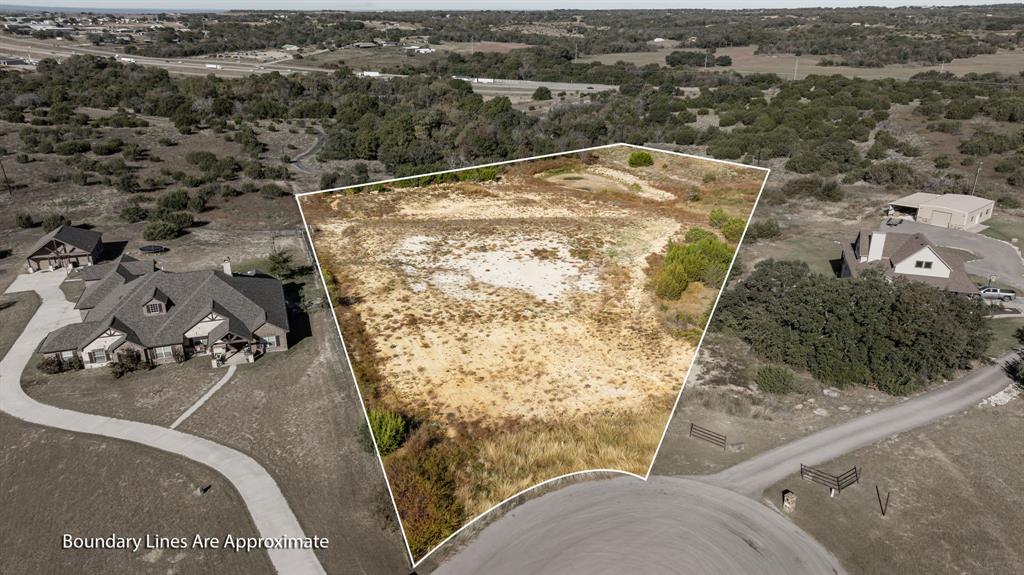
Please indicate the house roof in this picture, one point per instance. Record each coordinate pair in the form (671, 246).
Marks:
(897, 248)
(246, 302)
(914, 200)
(85, 240)
(117, 273)
(99, 271)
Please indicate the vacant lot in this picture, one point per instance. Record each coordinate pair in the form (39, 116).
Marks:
(512, 319)
(745, 61)
(955, 495)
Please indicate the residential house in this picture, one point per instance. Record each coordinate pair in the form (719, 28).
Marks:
(911, 256)
(65, 247)
(169, 316)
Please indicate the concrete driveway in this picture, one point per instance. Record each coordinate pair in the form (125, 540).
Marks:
(267, 506)
(996, 258)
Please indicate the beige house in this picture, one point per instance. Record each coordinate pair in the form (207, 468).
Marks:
(957, 211)
(911, 256)
(165, 316)
(65, 247)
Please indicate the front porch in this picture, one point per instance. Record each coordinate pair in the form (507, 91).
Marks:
(224, 353)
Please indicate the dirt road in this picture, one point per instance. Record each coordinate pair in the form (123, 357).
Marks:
(756, 474)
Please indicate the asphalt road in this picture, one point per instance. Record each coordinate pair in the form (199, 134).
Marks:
(995, 257)
(309, 152)
(761, 471)
(709, 524)
(624, 525)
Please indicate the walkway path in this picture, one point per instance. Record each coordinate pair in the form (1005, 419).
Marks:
(209, 393)
(267, 505)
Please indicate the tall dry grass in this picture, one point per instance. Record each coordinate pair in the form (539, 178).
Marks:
(515, 460)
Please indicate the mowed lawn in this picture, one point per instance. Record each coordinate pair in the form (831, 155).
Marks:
(15, 311)
(1004, 336)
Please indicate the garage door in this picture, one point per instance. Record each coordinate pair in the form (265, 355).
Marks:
(941, 218)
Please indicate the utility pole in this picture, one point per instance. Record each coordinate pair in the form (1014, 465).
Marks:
(976, 175)
(796, 65)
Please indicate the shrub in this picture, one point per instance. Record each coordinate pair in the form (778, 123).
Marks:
(542, 93)
(329, 180)
(127, 361)
(815, 187)
(697, 234)
(272, 191)
(718, 218)
(173, 200)
(763, 230)
(197, 203)
(53, 364)
(24, 220)
(640, 159)
(160, 230)
(733, 229)
(774, 379)
(133, 214)
(389, 428)
(54, 221)
(280, 264)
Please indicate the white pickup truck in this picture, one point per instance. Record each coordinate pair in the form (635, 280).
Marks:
(989, 292)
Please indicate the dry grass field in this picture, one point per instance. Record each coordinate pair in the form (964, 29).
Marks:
(955, 495)
(512, 321)
(745, 61)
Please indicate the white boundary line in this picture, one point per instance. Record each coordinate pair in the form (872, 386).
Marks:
(362, 403)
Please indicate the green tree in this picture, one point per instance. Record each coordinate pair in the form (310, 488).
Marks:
(280, 264)
(640, 159)
(389, 429)
(542, 93)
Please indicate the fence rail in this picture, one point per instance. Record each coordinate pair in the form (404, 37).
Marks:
(837, 482)
(706, 434)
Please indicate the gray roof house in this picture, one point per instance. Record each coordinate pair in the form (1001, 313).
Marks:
(66, 246)
(167, 316)
(911, 256)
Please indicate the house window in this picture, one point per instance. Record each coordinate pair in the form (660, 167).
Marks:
(99, 356)
(270, 340)
(154, 308)
(163, 352)
(67, 355)
(921, 264)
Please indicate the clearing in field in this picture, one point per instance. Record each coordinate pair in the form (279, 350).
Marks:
(510, 324)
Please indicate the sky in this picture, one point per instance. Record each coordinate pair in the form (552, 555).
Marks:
(371, 5)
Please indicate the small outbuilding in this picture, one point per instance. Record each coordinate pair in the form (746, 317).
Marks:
(956, 211)
(65, 247)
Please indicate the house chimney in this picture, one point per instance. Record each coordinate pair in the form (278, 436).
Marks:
(875, 249)
(227, 266)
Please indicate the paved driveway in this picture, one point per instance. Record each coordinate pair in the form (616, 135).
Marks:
(997, 258)
(267, 506)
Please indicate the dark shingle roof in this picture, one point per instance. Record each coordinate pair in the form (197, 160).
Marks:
(118, 273)
(85, 240)
(99, 271)
(899, 247)
(246, 303)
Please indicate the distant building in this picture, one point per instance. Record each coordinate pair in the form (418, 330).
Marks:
(911, 256)
(290, 48)
(65, 247)
(957, 211)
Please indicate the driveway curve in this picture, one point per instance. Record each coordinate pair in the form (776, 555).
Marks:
(266, 504)
(665, 525)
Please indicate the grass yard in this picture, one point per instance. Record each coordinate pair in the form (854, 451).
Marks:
(1005, 228)
(158, 395)
(15, 311)
(1003, 335)
(56, 482)
(956, 495)
(72, 289)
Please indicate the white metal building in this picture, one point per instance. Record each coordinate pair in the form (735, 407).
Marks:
(957, 211)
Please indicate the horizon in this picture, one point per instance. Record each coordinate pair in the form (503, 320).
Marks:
(199, 6)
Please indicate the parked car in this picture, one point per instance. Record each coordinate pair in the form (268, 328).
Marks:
(990, 292)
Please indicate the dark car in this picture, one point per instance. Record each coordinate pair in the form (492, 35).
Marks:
(152, 249)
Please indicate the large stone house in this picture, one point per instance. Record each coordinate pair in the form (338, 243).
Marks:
(911, 256)
(65, 247)
(168, 316)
